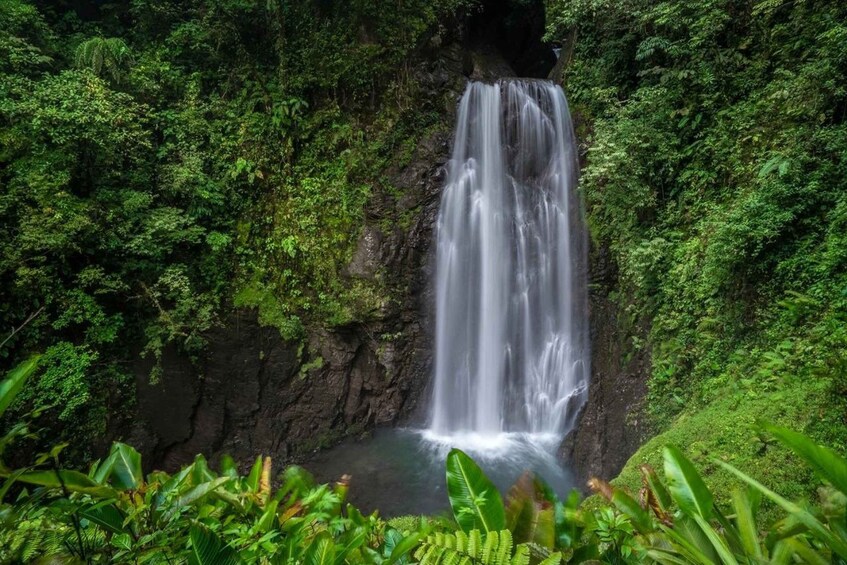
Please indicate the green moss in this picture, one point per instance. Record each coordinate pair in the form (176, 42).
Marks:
(272, 311)
(314, 364)
(725, 430)
(409, 523)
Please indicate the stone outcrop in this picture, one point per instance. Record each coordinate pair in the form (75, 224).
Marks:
(610, 427)
(252, 392)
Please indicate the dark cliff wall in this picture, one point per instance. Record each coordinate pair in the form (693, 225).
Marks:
(252, 392)
(610, 427)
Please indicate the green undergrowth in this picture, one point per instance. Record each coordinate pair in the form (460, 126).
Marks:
(295, 274)
(162, 162)
(725, 430)
(715, 136)
(203, 515)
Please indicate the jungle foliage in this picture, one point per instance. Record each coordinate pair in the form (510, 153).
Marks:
(716, 137)
(116, 514)
(161, 162)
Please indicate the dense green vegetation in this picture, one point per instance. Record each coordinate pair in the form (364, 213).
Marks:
(717, 146)
(163, 161)
(115, 514)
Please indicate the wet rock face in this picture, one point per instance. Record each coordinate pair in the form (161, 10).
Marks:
(514, 28)
(229, 402)
(610, 427)
(253, 392)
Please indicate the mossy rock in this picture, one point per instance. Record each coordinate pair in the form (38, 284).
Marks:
(725, 430)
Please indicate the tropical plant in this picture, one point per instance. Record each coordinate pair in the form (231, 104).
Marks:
(105, 55)
(673, 520)
(114, 513)
(491, 548)
(533, 526)
(475, 500)
(677, 521)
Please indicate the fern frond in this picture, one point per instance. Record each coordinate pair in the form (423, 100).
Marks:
(504, 549)
(473, 548)
(521, 556)
(104, 55)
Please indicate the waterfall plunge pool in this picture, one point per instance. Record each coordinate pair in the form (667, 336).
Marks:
(511, 331)
(401, 471)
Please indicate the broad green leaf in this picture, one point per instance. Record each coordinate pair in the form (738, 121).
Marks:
(101, 471)
(729, 532)
(632, 510)
(717, 542)
(122, 541)
(686, 486)
(7, 484)
(296, 481)
(552, 559)
(690, 541)
(351, 541)
(806, 553)
(655, 484)
(200, 471)
(269, 519)
(105, 515)
(125, 470)
(787, 527)
(746, 523)
(321, 551)
(406, 545)
(569, 521)
(208, 549)
(14, 382)
(74, 481)
(666, 557)
(195, 494)
(171, 486)
(782, 554)
(826, 463)
(229, 467)
(255, 475)
(817, 529)
(475, 500)
(529, 515)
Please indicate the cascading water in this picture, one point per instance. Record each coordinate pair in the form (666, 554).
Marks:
(511, 332)
(511, 351)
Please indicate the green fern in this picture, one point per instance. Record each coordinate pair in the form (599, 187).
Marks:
(32, 539)
(476, 548)
(104, 55)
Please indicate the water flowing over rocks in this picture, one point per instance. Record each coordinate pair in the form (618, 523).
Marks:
(252, 392)
(511, 347)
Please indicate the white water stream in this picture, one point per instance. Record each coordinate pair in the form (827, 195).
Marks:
(511, 351)
(511, 335)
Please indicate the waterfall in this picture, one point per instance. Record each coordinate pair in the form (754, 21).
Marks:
(511, 339)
